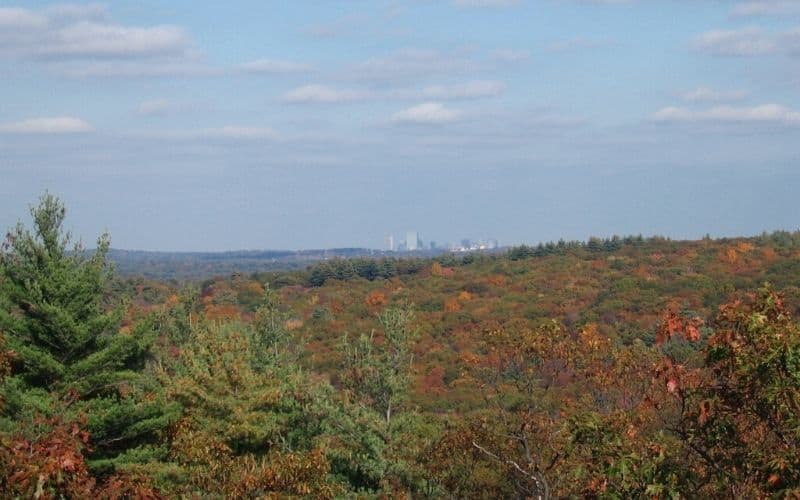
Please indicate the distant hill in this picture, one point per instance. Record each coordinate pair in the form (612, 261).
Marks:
(201, 265)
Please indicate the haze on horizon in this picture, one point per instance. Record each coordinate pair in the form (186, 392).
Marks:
(330, 123)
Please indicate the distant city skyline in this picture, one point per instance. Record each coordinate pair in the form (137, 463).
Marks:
(208, 126)
(414, 242)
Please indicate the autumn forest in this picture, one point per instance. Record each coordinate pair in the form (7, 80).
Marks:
(626, 367)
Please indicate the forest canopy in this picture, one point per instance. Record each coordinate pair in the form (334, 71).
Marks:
(619, 367)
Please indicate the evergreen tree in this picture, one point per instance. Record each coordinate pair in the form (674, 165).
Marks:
(380, 373)
(272, 341)
(71, 358)
(380, 435)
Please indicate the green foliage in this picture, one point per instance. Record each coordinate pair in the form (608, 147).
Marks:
(368, 269)
(378, 374)
(271, 338)
(71, 358)
(741, 417)
(242, 411)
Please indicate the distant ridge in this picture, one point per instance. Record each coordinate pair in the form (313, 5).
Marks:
(201, 265)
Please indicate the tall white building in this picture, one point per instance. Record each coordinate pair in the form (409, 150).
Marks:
(390, 242)
(412, 241)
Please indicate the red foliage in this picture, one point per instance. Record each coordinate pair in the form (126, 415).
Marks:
(673, 325)
(53, 466)
(48, 467)
(433, 382)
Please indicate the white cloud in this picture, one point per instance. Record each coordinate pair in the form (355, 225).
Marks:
(139, 69)
(52, 125)
(766, 113)
(426, 113)
(87, 39)
(413, 63)
(12, 17)
(706, 94)
(321, 94)
(748, 41)
(80, 40)
(485, 3)
(469, 90)
(766, 8)
(272, 66)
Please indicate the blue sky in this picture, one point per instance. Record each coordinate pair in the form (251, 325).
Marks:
(325, 123)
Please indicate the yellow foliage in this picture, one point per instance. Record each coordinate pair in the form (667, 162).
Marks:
(293, 324)
(591, 338)
(451, 305)
(469, 359)
(255, 287)
(731, 256)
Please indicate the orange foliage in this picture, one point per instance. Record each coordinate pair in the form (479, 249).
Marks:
(441, 271)
(769, 254)
(452, 305)
(643, 272)
(222, 312)
(469, 359)
(497, 280)
(465, 296)
(375, 298)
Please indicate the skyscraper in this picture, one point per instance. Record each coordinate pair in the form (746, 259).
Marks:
(390, 242)
(412, 241)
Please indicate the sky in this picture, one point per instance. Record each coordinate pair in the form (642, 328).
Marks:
(190, 125)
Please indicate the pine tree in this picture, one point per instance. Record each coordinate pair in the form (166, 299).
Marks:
(380, 373)
(71, 358)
